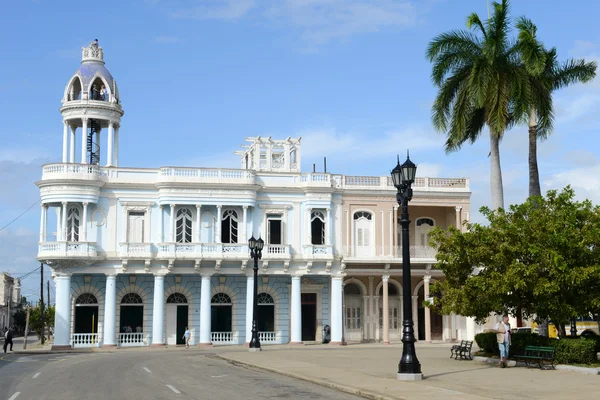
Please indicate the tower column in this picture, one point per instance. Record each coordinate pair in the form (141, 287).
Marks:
(296, 320)
(84, 223)
(65, 148)
(64, 221)
(245, 220)
(219, 219)
(158, 311)
(172, 224)
(110, 311)
(111, 139)
(328, 226)
(62, 316)
(84, 139)
(43, 220)
(205, 337)
(116, 145)
(198, 222)
(73, 140)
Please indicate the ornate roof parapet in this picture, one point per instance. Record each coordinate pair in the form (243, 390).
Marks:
(92, 53)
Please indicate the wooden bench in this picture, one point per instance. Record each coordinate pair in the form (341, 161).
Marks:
(538, 355)
(462, 350)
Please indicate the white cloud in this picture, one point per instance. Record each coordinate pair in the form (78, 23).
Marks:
(585, 181)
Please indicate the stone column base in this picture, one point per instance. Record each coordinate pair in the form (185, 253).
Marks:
(60, 347)
(409, 377)
(254, 349)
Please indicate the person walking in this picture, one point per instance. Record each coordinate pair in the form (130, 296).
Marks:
(503, 337)
(8, 338)
(186, 335)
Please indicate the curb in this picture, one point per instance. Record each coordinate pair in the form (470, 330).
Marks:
(342, 388)
(558, 367)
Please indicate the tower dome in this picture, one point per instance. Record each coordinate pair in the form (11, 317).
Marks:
(91, 104)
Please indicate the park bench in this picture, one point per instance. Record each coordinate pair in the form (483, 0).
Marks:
(538, 355)
(462, 350)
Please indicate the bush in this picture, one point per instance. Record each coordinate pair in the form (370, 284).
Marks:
(523, 339)
(575, 351)
(487, 343)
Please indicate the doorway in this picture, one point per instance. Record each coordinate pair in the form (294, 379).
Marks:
(309, 317)
(86, 319)
(177, 320)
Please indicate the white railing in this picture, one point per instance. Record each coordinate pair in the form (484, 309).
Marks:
(222, 337)
(70, 171)
(419, 252)
(378, 253)
(131, 339)
(267, 337)
(315, 179)
(385, 182)
(136, 250)
(318, 250)
(235, 250)
(67, 249)
(84, 340)
(276, 251)
(207, 175)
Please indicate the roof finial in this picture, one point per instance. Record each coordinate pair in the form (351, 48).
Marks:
(407, 154)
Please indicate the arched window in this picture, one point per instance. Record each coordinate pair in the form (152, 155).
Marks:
(221, 313)
(229, 227)
(73, 220)
(177, 298)
(392, 290)
(86, 298)
(220, 299)
(132, 298)
(98, 90)
(264, 298)
(317, 227)
(75, 89)
(423, 226)
(183, 226)
(265, 313)
(363, 234)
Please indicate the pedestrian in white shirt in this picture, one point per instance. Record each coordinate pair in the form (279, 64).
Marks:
(503, 337)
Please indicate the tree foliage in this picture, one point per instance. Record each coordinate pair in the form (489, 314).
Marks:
(541, 257)
(35, 318)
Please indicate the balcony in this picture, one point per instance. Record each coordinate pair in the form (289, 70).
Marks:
(276, 252)
(207, 175)
(57, 250)
(190, 251)
(82, 172)
(421, 183)
(379, 253)
(136, 250)
(318, 251)
(315, 180)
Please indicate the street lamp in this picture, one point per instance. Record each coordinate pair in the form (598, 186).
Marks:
(256, 247)
(403, 177)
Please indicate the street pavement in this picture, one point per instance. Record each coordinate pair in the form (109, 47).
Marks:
(148, 374)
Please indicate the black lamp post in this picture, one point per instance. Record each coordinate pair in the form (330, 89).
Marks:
(403, 177)
(256, 247)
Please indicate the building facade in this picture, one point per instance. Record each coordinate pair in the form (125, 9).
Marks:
(138, 254)
(10, 299)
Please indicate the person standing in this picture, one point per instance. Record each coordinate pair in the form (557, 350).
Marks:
(8, 338)
(503, 337)
(186, 335)
(103, 93)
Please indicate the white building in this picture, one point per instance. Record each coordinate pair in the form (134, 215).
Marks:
(10, 299)
(139, 254)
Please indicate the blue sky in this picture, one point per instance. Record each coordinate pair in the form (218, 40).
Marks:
(197, 76)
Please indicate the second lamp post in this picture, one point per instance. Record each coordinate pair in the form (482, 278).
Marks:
(256, 247)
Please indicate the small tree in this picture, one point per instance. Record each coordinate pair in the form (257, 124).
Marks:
(542, 257)
(35, 318)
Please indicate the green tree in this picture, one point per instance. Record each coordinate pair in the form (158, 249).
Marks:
(481, 83)
(545, 75)
(541, 257)
(35, 318)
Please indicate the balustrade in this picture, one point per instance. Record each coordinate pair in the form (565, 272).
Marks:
(67, 249)
(136, 250)
(131, 339)
(318, 250)
(70, 171)
(84, 340)
(222, 337)
(267, 337)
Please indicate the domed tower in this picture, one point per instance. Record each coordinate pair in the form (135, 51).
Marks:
(91, 103)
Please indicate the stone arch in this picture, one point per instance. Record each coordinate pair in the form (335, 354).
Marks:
(98, 75)
(147, 306)
(77, 84)
(99, 296)
(221, 288)
(420, 284)
(362, 286)
(390, 282)
(190, 303)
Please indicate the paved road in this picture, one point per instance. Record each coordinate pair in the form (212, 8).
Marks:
(145, 375)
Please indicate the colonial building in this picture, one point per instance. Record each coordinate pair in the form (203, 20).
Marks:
(138, 254)
(10, 299)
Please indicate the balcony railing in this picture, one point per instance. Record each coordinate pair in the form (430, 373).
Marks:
(202, 250)
(131, 339)
(317, 251)
(207, 175)
(136, 250)
(267, 337)
(84, 340)
(378, 253)
(385, 182)
(66, 249)
(70, 171)
(315, 180)
(276, 251)
(222, 337)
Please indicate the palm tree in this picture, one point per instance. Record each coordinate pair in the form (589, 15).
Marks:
(545, 76)
(480, 84)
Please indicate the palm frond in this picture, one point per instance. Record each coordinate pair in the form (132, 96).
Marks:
(531, 50)
(573, 71)
(441, 110)
(473, 20)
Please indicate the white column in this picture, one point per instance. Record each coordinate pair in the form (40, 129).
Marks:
(427, 278)
(287, 157)
(84, 140)
(336, 309)
(249, 306)
(162, 222)
(111, 140)
(415, 307)
(458, 221)
(382, 234)
(366, 317)
(470, 328)
(372, 313)
(269, 156)
(65, 148)
(84, 223)
(72, 144)
(219, 218)
(58, 225)
(172, 224)
(62, 316)
(257, 147)
(110, 311)
(158, 311)
(391, 238)
(245, 225)
(376, 324)
(43, 219)
(64, 221)
(296, 320)
(205, 311)
(328, 226)
(385, 311)
(308, 227)
(198, 222)
(116, 147)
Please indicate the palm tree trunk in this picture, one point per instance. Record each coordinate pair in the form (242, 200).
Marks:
(534, 176)
(496, 172)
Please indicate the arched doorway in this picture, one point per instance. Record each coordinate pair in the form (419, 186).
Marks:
(86, 320)
(394, 319)
(265, 315)
(353, 312)
(221, 311)
(435, 319)
(177, 318)
(131, 322)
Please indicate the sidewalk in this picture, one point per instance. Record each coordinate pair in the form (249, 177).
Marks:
(370, 370)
